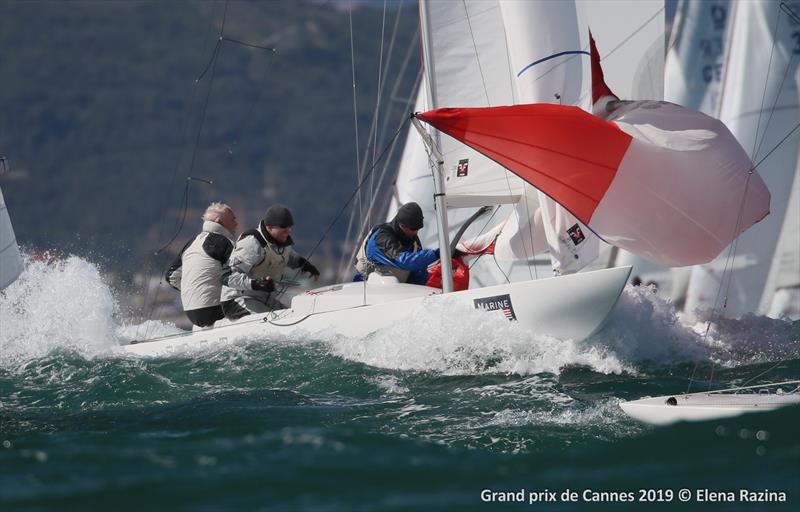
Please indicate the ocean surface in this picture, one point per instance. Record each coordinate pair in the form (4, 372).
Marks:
(434, 413)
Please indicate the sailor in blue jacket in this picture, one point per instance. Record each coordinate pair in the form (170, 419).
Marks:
(394, 248)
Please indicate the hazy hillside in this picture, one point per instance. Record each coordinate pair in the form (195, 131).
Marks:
(99, 113)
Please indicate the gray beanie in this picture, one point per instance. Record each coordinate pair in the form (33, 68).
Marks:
(278, 215)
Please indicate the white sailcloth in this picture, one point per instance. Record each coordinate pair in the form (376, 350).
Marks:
(10, 259)
(760, 106)
(786, 264)
(549, 68)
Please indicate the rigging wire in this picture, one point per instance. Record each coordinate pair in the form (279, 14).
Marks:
(361, 233)
(477, 57)
(398, 81)
(355, 105)
(506, 172)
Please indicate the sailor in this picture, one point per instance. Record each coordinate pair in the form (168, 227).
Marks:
(197, 271)
(258, 261)
(394, 248)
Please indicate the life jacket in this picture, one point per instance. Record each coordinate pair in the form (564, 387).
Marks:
(276, 255)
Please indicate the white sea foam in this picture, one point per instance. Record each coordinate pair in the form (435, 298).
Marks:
(56, 304)
(644, 327)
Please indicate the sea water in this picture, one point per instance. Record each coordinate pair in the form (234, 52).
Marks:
(450, 409)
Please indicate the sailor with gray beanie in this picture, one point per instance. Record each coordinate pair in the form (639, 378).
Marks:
(394, 248)
(257, 263)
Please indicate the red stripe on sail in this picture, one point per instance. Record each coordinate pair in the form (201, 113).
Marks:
(570, 155)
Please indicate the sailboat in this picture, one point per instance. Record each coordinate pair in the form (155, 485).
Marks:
(568, 307)
(10, 259)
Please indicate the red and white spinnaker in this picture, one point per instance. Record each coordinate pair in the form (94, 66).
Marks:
(670, 184)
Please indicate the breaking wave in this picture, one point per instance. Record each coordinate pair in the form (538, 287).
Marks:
(59, 304)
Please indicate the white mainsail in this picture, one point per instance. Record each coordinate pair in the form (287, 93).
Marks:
(760, 106)
(10, 259)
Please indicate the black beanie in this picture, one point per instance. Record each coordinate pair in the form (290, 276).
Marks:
(278, 215)
(410, 215)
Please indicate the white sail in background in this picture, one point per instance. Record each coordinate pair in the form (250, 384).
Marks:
(760, 106)
(695, 63)
(10, 259)
(693, 74)
(785, 278)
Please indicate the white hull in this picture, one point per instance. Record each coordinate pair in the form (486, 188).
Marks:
(567, 307)
(704, 406)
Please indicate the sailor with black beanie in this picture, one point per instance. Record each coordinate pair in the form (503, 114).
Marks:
(394, 248)
(258, 261)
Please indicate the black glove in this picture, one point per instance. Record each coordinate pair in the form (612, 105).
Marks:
(306, 266)
(457, 253)
(262, 284)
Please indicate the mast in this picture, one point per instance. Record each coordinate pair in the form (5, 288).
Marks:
(438, 172)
